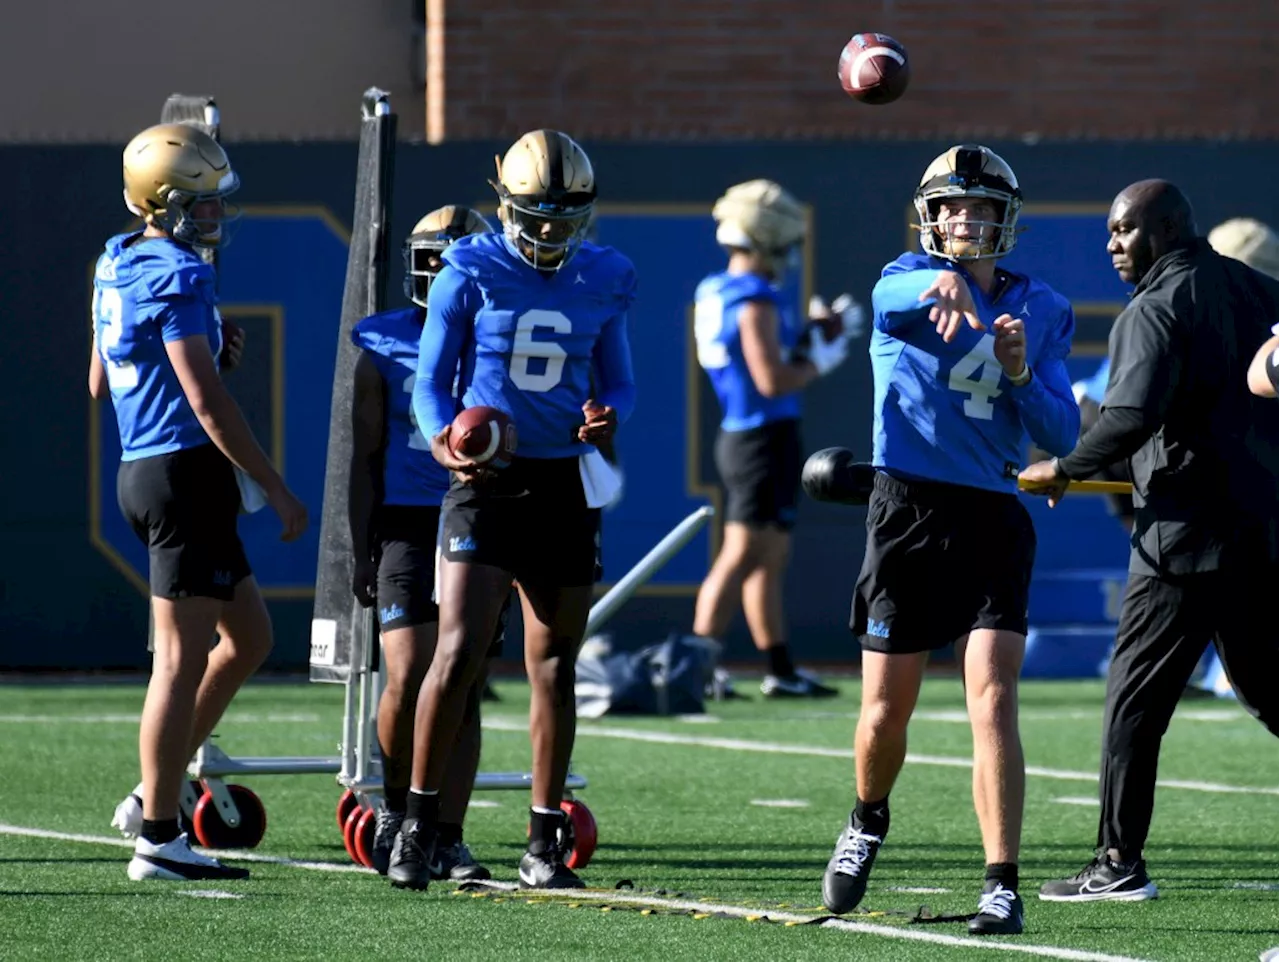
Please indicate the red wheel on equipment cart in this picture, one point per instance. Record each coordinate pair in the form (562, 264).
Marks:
(346, 803)
(362, 837)
(580, 834)
(212, 832)
(349, 833)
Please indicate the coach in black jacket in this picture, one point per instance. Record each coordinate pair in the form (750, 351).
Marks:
(1202, 452)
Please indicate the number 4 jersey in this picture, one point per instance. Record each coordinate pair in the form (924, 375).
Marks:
(147, 292)
(410, 475)
(947, 412)
(543, 343)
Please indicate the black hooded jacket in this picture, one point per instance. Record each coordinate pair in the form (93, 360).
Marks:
(1202, 450)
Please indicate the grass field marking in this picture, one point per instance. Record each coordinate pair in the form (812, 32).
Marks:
(861, 928)
(843, 925)
(126, 718)
(781, 748)
(237, 854)
(1085, 800)
(958, 716)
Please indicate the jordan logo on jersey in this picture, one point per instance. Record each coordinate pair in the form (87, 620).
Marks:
(1026, 311)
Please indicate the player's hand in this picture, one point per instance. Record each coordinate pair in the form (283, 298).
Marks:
(467, 470)
(825, 354)
(291, 511)
(843, 316)
(1011, 344)
(601, 423)
(364, 581)
(232, 346)
(954, 305)
(1044, 478)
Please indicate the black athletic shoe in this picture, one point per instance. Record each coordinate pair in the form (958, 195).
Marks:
(845, 881)
(413, 857)
(999, 913)
(457, 863)
(546, 870)
(1103, 880)
(386, 828)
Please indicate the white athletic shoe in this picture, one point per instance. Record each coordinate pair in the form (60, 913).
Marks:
(175, 862)
(128, 817)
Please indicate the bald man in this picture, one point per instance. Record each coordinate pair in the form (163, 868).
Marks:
(1202, 453)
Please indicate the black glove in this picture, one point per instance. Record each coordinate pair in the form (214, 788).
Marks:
(833, 475)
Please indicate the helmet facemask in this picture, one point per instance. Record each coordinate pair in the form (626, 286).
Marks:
(177, 215)
(973, 172)
(546, 233)
(422, 263)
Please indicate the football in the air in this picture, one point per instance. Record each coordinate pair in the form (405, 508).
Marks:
(484, 435)
(874, 69)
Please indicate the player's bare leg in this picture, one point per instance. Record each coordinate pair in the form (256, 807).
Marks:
(554, 620)
(721, 590)
(992, 663)
(471, 598)
(455, 858)
(183, 628)
(890, 688)
(244, 641)
(406, 656)
(762, 587)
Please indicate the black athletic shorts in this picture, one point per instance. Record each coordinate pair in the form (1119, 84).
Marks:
(184, 507)
(531, 519)
(407, 539)
(760, 469)
(941, 560)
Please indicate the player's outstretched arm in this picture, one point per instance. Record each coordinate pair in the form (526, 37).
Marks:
(906, 298)
(368, 428)
(451, 310)
(1263, 373)
(771, 375)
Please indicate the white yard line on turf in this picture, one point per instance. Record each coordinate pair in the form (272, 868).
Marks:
(126, 718)
(780, 748)
(843, 925)
(684, 905)
(237, 854)
(959, 716)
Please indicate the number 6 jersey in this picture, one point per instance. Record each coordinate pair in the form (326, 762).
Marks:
(947, 412)
(538, 341)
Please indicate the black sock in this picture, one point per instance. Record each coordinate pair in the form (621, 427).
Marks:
(160, 831)
(448, 834)
(396, 798)
(780, 665)
(1002, 873)
(544, 830)
(423, 807)
(872, 817)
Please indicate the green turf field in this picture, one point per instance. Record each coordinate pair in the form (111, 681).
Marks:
(677, 804)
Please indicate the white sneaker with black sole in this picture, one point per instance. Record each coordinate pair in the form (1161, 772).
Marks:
(175, 862)
(1103, 880)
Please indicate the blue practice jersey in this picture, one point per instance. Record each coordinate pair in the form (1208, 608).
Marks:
(539, 341)
(411, 476)
(718, 301)
(947, 412)
(146, 294)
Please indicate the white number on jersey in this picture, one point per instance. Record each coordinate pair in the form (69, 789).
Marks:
(708, 320)
(526, 349)
(417, 440)
(980, 362)
(108, 321)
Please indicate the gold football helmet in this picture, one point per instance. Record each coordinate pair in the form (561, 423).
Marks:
(1250, 241)
(546, 197)
(969, 170)
(430, 236)
(171, 168)
(762, 217)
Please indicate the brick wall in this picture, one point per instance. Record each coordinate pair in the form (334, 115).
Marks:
(724, 69)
